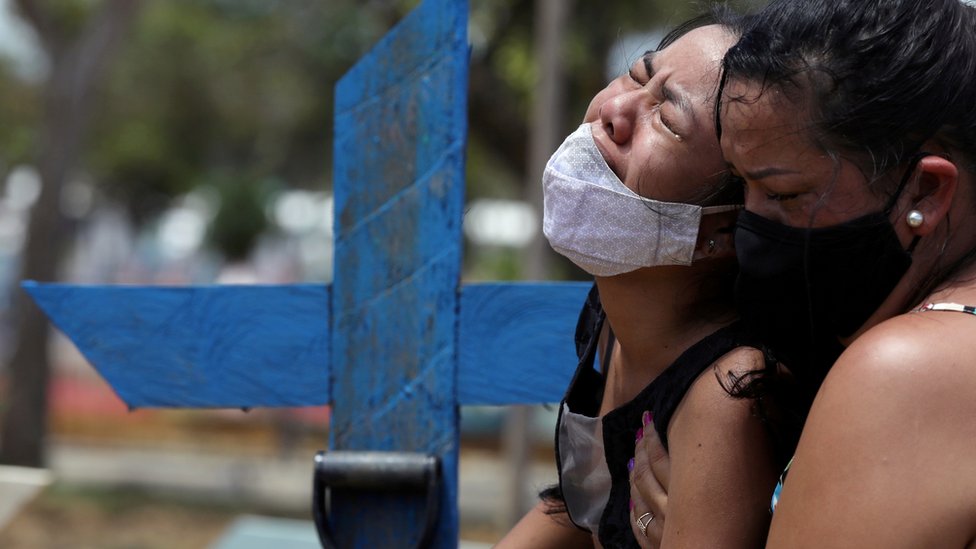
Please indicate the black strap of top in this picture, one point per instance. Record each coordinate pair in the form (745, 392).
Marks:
(585, 392)
(608, 352)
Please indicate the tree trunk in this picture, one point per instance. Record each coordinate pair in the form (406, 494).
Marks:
(75, 68)
(547, 106)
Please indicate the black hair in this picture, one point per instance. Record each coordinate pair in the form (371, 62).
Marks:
(878, 78)
(781, 402)
(714, 14)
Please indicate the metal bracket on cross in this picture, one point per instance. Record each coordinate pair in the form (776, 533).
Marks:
(396, 344)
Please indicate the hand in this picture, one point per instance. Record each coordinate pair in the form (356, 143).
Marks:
(650, 474)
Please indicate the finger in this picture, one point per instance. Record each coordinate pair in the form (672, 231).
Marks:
(647, 494)
(645, 490)
(651, 450)
(648, 537)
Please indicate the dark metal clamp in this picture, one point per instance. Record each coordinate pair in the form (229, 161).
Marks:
(375, 471)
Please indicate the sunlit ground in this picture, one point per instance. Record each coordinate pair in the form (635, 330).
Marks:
(116, 517)
(180, 479)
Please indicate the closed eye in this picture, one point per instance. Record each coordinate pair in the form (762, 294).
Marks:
(781, 197)
(666, 123)
(635, 77)
(776, 197)
(648, 69)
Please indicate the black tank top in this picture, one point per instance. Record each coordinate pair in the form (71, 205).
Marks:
(661, 397)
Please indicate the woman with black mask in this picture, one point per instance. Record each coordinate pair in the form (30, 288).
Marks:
(853, 126)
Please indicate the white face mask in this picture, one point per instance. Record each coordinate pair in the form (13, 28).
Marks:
(601, 225)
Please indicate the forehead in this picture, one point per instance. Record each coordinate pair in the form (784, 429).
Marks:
(693, 60)
(756, 120)
(709, 42)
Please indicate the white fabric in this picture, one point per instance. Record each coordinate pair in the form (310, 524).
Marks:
(601, 225)
(584, 476)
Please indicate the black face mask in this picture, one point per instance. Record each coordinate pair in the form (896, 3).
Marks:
(803, 289)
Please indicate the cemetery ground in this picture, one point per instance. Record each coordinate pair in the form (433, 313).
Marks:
(148, 479)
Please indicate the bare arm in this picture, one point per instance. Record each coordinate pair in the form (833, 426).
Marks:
(537, 530)
(722, 469)
(887, 454)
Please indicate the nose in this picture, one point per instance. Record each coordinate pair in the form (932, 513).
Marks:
(618, 115)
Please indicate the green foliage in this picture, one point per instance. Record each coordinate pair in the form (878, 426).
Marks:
(19, 111)
(70, 15)
(241, 218)
(495, 264)
(205, 89)
(241, 90)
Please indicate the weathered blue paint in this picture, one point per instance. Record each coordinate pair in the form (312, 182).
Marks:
(395, 345)
(400, 130)
(250, 346)
(517, 341)
(200, 347)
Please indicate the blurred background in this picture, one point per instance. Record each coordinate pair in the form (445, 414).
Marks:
(182, 142)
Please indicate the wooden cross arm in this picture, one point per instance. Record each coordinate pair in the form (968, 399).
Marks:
(270, 346)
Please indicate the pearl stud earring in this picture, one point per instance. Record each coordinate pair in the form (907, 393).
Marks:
(915, 219)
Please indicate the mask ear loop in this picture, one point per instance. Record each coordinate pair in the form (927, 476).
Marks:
(912, 163)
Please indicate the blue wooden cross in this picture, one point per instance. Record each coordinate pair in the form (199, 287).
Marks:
(396, 344)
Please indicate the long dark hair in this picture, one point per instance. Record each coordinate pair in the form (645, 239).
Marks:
(880, 76)
(878, 79)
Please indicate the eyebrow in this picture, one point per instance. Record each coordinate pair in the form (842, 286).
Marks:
(648, 59)
(670, 94)
(766, 172)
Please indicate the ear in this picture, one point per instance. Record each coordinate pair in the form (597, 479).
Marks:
(715, 236)
(932, 195)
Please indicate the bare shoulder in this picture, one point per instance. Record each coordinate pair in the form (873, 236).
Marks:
(739, 361)
(722, 462)
(907, 358)
(896, 407)
(708, 405)
(918, 370)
